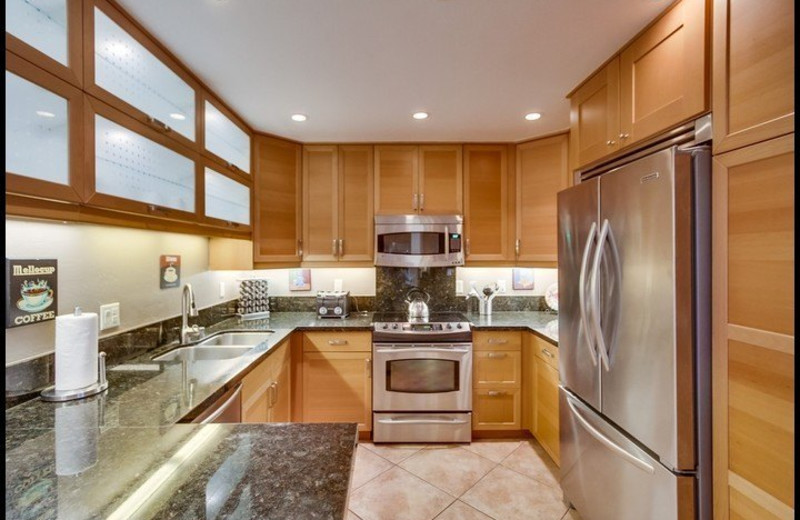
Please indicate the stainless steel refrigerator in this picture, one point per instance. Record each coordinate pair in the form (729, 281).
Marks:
(634, 284)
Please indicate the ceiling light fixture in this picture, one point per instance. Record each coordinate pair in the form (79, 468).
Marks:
(176, 115)
(420, 115)
(533, 116)
(299, 118)
(44, 113)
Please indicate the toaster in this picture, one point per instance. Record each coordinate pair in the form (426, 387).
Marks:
(333, 304)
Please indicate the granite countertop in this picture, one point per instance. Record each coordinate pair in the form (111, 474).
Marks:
(123, 448)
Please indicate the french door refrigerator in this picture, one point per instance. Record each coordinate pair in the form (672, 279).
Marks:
(634, 284)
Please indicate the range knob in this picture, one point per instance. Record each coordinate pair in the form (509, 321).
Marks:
(458, 326)
(337, 310)
(449, 325)
(394, 326)
(323, 310)
(385, 326)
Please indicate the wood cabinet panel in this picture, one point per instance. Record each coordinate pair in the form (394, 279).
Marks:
(320, 203)
(542, 171)
(356, 193)
(337, 342)
(663, 73)
(753, 71)
(594, 116)
(280, 409)
(277, 202)
(496, 409)
(440, 180)
(337, 387)
(546, 427)
(496, 340)
(497, 369)
(486, 201)
(396, 179)
(266, 390)
(545, 351)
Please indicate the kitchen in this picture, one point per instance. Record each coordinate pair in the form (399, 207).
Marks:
(132, 189)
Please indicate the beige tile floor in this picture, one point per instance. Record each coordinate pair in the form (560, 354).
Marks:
(484, 480)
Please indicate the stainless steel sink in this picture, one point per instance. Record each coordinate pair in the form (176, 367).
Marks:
(236, 338)
(226, 345)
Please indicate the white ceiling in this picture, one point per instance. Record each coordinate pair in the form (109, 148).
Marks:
(359, 68)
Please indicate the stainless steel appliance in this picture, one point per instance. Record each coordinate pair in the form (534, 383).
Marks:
(333, 304)
(226, 409)
(417, 300)
(422, 378)
(419, 240)
(634, 312)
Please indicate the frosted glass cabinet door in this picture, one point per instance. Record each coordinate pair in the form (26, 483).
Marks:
(129, 71)
(131, 166)
(226, 139)
(226, 199)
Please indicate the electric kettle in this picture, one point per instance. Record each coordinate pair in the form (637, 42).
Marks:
(417, 301)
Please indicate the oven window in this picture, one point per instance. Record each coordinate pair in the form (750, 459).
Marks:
(422, 376)
(418, 243)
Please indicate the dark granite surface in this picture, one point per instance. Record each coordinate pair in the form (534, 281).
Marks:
(544, 324)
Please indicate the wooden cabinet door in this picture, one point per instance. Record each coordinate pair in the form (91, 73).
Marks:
(594, 116)
(277, 201)
(396, 180)
(496, 409)
(753, 71)
(440, 180)
(280, 409)
(545, 420)
(497, 369)
(663, 74)
(486, 199)
(337, 387)
(753, 344)
(320, 203)
(542, 171)
(356, 222)
(256, 392)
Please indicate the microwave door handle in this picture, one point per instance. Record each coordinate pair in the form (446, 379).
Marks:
(582, 289)
(595, 295)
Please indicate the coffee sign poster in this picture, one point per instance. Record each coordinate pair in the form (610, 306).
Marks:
(31, 291)
(170, 271)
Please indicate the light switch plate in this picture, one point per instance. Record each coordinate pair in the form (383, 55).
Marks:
(109, 316)
(459, 286)
(501, 286)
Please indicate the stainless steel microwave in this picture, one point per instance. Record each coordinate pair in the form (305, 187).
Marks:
(419, 240)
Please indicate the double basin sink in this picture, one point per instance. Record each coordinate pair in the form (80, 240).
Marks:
(223, 345)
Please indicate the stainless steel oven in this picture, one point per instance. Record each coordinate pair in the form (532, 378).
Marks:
(419, 240)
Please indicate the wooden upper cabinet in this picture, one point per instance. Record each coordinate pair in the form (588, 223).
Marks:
(753, 71)
(356, 222)
(396, 179)
(277, 200)
(440, 180)
(663, 73)
(127, 69)
(424, 179)
(486, 214)
(226, 198)
(542, 171)
(44, 133)
(226, 139)
(48, 34)
(594, 116)
(320, 203)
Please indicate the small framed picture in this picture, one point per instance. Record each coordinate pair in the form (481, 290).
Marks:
(299, 279)
(522, 279)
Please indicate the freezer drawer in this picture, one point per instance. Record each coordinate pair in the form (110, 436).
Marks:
(606, 477)
(422, 427)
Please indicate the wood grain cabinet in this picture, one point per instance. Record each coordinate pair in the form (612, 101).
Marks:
(488, 220)
(542, 171)
(496, 380)
(425, 179)
(266, 390)
(337, 203)
(337, 378)
(753, 71)
(753, 346)
(545, 403)
(656, 82)
(277, 202)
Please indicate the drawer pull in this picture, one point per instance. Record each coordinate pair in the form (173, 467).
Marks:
(547, 353)
(496, 355)
(495, 393)
(368, 362)
(496, 341)
(337, 342)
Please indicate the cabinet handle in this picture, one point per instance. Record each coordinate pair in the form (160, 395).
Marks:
(496, 341)
(547, 353)
(467, 248)
(611, 142)
(496, 355)
(495, 393)
(414, 201)
(337, 342)
(156, 210)
(299, 247)
(158, 124)
(232, 166)
(516, 247)
(623, 136)
(270, 392)
(369, 367)
(334, 251)
(230, 223)
(341, 248)
(421, 201)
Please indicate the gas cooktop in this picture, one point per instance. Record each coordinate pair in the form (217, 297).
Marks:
(434, 317)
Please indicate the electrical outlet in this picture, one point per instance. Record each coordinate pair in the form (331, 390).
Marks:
(337, 284)
(221, 289)
(459, 286)
(109, 316)
(501, 286)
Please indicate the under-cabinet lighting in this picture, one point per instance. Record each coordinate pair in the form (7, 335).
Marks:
(533, 116)
(299, 118)
(44, 113)
(179, 117)
(420, 115)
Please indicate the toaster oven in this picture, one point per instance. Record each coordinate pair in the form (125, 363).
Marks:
(333, 304)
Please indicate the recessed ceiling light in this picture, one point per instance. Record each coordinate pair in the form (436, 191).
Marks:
(44, 113)
(420, 115)
(298, 117)
(179, 117)
(533, 116)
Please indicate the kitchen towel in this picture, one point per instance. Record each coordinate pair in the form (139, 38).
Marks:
(76, 350)
(77, 432)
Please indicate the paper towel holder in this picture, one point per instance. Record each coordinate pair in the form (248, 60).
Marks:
(51, 394)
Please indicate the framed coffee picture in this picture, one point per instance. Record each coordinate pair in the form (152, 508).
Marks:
(31, 291)
(169, 271)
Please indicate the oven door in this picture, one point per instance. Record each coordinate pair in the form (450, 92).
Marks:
(422, 377)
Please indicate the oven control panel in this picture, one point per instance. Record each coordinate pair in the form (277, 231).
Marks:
(415, 331)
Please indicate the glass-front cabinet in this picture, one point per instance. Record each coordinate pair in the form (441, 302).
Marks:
(226, 139)
(132, 74)
(226, 199)
(43, 114)
(47, 33)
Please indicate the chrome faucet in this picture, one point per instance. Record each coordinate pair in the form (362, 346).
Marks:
(188, 309)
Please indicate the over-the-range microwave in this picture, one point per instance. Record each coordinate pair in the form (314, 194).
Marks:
(419, 240)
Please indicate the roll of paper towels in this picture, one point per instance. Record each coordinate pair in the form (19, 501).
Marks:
(77, 431)
(76, 350)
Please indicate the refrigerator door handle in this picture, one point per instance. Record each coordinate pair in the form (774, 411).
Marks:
(608, 443)
(582, 287)
(595, 295)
